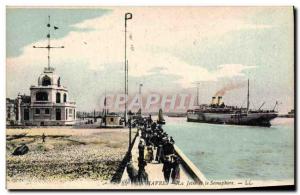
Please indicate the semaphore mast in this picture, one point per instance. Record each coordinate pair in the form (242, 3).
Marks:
(49, 47)
(128, 16)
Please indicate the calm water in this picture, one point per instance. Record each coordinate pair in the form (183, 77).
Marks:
(237, 152)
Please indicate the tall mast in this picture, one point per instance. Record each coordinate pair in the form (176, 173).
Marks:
(197, 88)
(49, 47)
(248, 97)
(125, 76)
(128, 16)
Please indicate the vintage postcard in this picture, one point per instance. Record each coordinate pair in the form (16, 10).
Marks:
(125, 98)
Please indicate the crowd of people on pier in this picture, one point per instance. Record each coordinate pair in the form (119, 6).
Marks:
(156, 146)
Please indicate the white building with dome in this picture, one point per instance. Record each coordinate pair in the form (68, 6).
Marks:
(49, 103)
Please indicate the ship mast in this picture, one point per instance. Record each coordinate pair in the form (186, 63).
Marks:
(197, 95)
(248, 97)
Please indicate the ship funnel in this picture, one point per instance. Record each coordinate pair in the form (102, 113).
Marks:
(213, 100)
(219, 100)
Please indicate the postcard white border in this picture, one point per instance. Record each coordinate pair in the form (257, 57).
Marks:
(4, 3)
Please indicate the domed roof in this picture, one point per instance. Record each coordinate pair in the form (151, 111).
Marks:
(48, 77)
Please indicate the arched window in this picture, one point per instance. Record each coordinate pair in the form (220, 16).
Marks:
(65, 97)
(58, 82)
(46, 81)
(41, 96)
(57, 97)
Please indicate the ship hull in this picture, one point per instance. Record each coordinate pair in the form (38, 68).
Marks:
(250, 119)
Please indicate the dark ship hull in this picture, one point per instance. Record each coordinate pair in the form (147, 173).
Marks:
(250, 119)
(219, 113)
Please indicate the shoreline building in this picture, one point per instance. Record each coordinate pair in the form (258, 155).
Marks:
(48, 103)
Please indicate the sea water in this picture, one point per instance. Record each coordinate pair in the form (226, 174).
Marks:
(237, 152)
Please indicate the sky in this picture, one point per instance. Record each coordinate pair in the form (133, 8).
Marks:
(169, 49)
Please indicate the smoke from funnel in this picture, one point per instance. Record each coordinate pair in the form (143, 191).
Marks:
(229, 87)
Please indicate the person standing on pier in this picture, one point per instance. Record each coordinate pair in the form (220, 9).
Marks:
(132, 172)
(141, 148)
(142, 175)
(167, 170)
(175, 173)
(168, 148)
(150, 120)
(149, 154)
(154, 140)
(172, 140)
(153, 126)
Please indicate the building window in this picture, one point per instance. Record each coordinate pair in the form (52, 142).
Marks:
(37, 111)
(66, 114)
(111, 119)
(47, 111)
(46, 81)
(41, 96)
(57, 97)
(58, 114)
(65, 97)
(58, 82)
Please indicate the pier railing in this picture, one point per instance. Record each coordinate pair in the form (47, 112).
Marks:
(189, 166)
(120, 171)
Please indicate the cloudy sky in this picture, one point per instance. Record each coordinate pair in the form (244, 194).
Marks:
(169, 49)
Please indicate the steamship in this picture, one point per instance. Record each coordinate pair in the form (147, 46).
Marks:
(219, 113)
